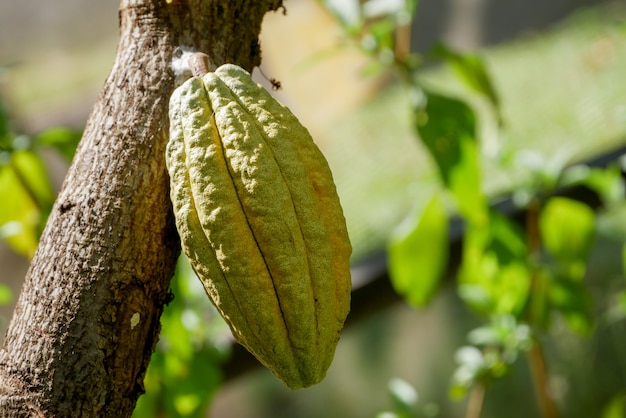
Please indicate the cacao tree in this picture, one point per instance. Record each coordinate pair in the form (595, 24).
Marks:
(87, 319)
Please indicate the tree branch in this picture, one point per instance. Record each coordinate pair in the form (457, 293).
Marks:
(87, 319)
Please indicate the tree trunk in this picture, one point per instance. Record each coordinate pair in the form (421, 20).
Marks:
(87, 319)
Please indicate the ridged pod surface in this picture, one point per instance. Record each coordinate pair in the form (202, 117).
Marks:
(260, 221)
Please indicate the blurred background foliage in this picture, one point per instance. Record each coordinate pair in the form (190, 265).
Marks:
(423, 117)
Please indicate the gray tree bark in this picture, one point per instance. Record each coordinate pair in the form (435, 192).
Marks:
(87, 319)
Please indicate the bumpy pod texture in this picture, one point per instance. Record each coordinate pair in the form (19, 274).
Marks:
(260, 220)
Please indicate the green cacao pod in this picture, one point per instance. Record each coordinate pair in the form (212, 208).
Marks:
(260, 221)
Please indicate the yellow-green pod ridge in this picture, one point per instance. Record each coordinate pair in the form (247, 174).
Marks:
(259, 219)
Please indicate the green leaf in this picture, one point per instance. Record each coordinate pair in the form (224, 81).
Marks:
(447, 127)
(404, 397)
(32, 173)
(471, 69)
(184, 371)
(6, 294)
(567, 231)
(62, 139)
(19, 215)
(616, 408)
(494, 276)
(471, 368)
(347, 13)
(418, 253)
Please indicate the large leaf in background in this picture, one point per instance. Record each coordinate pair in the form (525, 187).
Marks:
(616, 407)
(567, 231)
(31, 172)
(447, 127)
(19, 214)
(418, 253)
(494, 276)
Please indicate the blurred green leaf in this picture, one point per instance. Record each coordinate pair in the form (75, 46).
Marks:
(6, 294)
(471, 69)
(387, 414)
(471, 367)
(494, 276)
(62, 139)
(32, 173)
(418, 253)
(503, 331)
(19, 215)
(184, 372)
(567, 231)
(616, 407)
(402, 10)
(616, 310)
(447, 127)
(347, 12)
(404, 397)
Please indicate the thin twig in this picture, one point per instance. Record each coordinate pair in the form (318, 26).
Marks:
(540, 379)
(475, 402)
(537, 361)
(403, 42)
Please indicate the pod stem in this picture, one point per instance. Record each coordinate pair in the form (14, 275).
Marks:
(199, 64)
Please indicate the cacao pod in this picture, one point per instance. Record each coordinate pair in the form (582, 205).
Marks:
(260, 221)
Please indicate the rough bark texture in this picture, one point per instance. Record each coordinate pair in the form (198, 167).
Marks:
(87, 319)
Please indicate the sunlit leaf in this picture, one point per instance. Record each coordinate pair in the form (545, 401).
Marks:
(567, 231)
(477, 297)
(616, 408)
(418, 253)
(32, 173)
(447, 127)
(19, 215)
(494, 276)
(403, 395)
